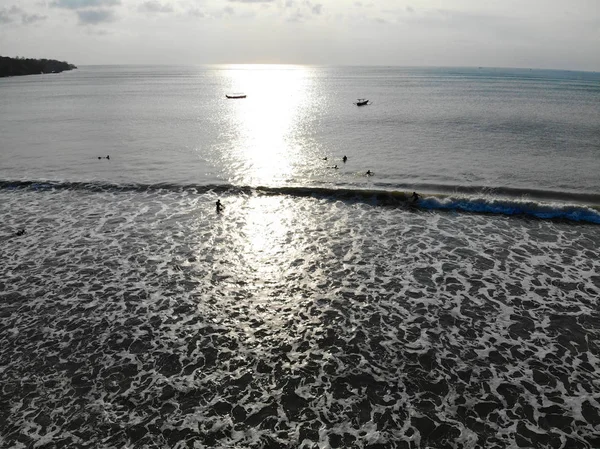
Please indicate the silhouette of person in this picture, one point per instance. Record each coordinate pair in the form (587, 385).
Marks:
(415, 197)
(335, 166)
(325, 158)
(345, 158)
(369, 173)
(108, 157)
(219, 206)
(20, 232)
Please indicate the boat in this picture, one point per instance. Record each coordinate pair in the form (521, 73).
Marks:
(235, 95)
(362, 102)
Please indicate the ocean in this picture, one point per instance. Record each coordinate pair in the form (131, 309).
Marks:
(323, 307)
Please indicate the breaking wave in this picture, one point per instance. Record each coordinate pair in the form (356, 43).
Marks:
(545, 205)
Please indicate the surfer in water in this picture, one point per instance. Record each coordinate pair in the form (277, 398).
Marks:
(345, 158)
(369, 173)
(220, 207)
(415, 197)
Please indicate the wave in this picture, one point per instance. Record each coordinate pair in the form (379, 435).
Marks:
(538, 204)
(483, 203)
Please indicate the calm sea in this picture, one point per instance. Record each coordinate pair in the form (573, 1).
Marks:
(323, 308)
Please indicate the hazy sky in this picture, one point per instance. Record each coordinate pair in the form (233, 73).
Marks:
(508, 33)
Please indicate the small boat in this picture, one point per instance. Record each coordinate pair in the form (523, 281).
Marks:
(235, 95)
(362, 102)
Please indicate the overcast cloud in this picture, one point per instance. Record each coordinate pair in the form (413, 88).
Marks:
(80, 4)
(512, 33)
(95, 16)
(154, 6)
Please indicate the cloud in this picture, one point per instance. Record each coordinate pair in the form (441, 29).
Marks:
(251, 1)
(28, 19)
(302, 11)
(10, 15)
(94, 31)
(195, 12)
(90, 12)
(296, 17)
(4, 17)
(81, 4)
(95, 16)
(154, 6)
(410, 9)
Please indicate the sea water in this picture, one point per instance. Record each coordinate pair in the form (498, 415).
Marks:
(322, 307)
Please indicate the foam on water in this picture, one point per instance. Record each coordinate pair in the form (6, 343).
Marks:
(141, 318)
(555, 206)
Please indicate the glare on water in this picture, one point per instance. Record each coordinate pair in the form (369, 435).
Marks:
(264, 125)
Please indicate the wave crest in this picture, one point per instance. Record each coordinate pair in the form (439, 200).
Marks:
(486, 202)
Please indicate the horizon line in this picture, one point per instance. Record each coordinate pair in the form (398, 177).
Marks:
(292, 64)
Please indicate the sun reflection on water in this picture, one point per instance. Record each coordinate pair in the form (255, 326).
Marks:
(264, 125)
(269, 240)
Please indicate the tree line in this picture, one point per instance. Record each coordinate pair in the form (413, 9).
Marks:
(26, 66)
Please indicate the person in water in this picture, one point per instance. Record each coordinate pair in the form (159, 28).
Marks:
(345, 158)
(369, 173)
(415, 197)
(219, 207)
(20, 232)
(108, 157)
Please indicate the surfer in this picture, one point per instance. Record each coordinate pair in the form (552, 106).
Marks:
(20, 232)
(219, 206)
(345, 158)
(108, 157)
(369, 173)
(415, 197)
(335, 166)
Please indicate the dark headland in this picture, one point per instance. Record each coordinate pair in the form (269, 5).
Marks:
(27, 66)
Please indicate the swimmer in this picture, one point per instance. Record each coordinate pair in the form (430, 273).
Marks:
(369, 173)
(335, 166)
(345, 158)
(325, 158)
(108, 157)
(220, 207)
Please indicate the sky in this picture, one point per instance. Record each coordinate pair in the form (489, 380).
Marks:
(560, 34)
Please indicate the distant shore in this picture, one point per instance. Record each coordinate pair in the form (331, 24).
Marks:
(28, 66)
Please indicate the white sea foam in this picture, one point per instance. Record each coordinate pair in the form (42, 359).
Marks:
(143, 318)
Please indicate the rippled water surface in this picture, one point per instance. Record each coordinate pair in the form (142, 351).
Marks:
(426, 128)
